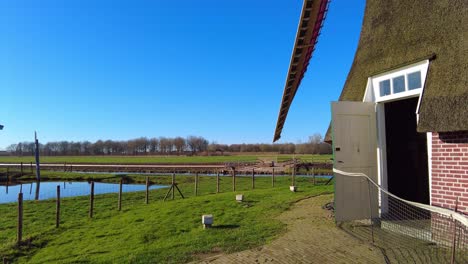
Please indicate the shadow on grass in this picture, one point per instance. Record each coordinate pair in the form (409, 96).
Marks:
(247, 203)
(225, 226)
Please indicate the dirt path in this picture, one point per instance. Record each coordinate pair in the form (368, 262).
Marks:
(312, 237)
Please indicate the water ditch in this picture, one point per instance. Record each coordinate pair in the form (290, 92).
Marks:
(47, 189)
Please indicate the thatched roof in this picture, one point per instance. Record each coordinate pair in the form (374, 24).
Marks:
(395, 33)
(312, 17)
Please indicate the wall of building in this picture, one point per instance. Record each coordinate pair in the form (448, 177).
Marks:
(450, 170)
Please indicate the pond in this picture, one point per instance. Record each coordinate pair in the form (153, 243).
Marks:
(48, 190)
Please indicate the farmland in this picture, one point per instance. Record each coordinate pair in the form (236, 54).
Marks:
(165, 159)
(131, 159)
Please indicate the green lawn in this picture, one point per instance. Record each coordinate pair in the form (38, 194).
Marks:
(168, 232)
(162, 159)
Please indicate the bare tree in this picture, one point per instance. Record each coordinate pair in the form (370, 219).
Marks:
(75, 148)
(165, 145)
(154, 145)
(86, 148)
(179, 144)
(197, 144)
(11, 148)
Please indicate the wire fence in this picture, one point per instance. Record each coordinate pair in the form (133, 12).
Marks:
(30, 209)
(405, 231)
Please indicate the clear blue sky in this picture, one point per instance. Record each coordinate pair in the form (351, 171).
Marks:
(88, 70)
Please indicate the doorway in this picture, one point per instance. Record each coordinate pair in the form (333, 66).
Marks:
(406, 152)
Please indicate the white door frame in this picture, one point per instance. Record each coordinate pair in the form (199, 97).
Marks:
(371, 96)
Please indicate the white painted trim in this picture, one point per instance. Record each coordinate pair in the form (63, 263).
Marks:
(375, 80)
(382, 153)
(399, 96)
(371, 95)
(423, 80)
(381, 143)
(429, 163)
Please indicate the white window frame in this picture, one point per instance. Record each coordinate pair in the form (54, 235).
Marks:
(375, 80)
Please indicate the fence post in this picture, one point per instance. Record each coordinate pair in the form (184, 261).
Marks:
(217, 181)
(293, 175)
(5, 261)
(20, 219)
(119, 204)
(57, 208)
(38, 189)
(147, 190)
(196, 183)
(234, 180)
(7, 182)
(313, 174)
(273, 178)
(36, 156)
(173, 185)
(64, 167)
(370, 210)
(91, 200)
(253, 178)
(21, 168)
(454, 241)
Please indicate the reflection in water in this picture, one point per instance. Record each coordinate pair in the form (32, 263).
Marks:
(38, 187)
(48, 190)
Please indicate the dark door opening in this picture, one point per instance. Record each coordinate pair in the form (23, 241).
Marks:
(407, 166)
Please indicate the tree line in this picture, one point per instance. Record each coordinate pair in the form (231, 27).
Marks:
(192, 145)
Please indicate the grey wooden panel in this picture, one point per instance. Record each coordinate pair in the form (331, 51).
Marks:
(355, 150)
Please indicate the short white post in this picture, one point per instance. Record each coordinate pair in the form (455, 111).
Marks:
(207, 221)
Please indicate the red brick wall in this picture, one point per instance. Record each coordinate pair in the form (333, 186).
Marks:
(450, 170)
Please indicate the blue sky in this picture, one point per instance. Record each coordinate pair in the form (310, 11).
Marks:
(89, 70)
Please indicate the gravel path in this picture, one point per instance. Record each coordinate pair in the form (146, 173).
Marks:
(312, 237)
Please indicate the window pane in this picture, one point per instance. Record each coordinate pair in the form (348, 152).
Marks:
(399, 84)
(414, 80)
(384, 87)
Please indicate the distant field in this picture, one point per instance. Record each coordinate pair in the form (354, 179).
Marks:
(162, 159)
(133, 159)
(306, 157)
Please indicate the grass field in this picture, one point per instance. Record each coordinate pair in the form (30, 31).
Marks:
(305, 157)
(162, 159)
(168, 232)
(131, 159)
